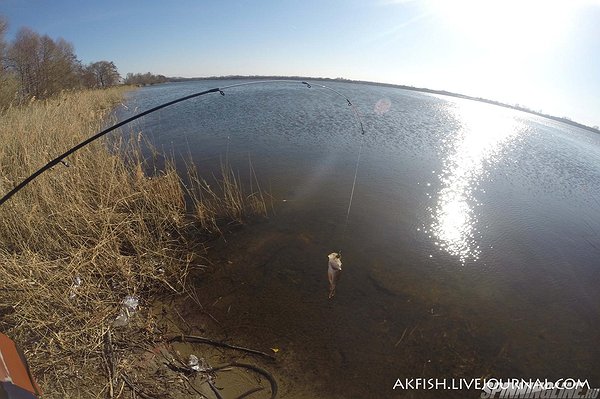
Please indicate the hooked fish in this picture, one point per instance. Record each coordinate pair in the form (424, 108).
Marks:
(333, 272)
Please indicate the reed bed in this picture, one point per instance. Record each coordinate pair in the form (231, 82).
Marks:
(80, 238)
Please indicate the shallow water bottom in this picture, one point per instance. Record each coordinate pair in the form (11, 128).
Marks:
(267, 288)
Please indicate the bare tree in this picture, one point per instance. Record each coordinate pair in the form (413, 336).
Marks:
(105, 73)
(87, 77)
(61, 67)
(39, 66)
(8, 85)
(44, 66)
(23, 59)
(3, 28)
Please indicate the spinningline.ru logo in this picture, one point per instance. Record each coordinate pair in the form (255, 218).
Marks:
(509, 388)
(559, 389)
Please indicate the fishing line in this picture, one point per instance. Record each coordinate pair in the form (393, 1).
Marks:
(362, 141)
(61, 158)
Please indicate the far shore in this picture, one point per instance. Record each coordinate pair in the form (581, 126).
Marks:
(397, 86)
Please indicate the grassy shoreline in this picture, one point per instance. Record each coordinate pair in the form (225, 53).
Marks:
(79, 239)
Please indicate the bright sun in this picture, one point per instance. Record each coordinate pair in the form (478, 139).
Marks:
(504, 46)
(508, 25)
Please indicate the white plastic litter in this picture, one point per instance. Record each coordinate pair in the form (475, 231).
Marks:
(128, 308)
(193, 363)
(74, 287)
(197, 364)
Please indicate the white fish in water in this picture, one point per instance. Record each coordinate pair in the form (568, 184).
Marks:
(333, 271)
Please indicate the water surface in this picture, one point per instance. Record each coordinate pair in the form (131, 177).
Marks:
(472, 244)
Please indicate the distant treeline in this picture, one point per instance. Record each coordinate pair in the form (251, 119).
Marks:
(566, 120)
(143, 79)
(37, 66)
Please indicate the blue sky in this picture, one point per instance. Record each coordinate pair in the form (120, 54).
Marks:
(544, 54)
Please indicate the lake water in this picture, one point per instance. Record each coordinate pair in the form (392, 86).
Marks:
(472, 247)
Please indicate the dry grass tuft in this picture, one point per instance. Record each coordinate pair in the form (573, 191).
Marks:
(79, 239)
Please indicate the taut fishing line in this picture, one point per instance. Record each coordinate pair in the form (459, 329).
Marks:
(61, 158)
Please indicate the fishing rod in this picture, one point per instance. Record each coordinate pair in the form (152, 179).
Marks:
(60, 158)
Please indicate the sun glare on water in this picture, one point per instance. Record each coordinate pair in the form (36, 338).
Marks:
(476, 146)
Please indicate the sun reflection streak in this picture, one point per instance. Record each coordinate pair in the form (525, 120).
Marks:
(485, 130)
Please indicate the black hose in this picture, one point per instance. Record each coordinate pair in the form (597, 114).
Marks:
(256, 369)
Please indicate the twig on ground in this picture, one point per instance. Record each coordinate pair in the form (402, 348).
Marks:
(109, 360)
(203, 340)
(214, 389)
(135, 389)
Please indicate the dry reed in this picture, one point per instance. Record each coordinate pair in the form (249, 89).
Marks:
(79, 239)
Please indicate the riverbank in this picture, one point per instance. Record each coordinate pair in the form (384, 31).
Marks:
(94, 239)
